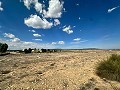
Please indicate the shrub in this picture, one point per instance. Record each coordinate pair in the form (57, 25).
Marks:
(3, 47)
(110, 68)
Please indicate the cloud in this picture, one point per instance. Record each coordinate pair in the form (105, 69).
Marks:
(68, 29)
(64, 10)
(37, 22)
(37, 39)
(32, 31)
(25, 44)
(15, 40)
(56, 22)
(9, 35)
(36, 35)
(1, 9)
(27, 3)
(59, 42)
(110, 10)
(77, 39)
(38, 6)
(53, 43)
(12, 37)
(54, 9)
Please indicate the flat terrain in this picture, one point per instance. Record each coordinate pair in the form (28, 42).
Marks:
(71, 70)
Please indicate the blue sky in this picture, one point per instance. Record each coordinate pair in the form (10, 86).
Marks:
(67, 24)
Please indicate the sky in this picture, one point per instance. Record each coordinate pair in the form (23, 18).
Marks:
(65, 24)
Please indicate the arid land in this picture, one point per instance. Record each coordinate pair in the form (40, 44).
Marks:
(68, 70)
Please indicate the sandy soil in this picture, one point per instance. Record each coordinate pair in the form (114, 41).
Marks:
(73, 70)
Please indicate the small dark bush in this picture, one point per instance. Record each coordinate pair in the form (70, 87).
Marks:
(110, 68)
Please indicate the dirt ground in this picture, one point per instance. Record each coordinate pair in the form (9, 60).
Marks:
(71, 70)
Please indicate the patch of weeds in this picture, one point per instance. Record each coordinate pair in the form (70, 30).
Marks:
(110, 68)
(90, 85)
(65, 83)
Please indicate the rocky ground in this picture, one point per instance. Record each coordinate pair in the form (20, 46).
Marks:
(73, 70)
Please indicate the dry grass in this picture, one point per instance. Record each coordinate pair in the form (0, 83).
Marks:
(110, 68)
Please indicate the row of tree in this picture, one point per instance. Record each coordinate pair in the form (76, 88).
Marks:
(3, 47)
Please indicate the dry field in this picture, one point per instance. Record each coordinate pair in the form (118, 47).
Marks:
(73, 70)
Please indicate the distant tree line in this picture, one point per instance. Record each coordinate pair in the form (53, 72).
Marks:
(42, 50)
(50, 50)
(3, 47)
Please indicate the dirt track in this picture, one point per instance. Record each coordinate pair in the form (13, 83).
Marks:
(54, 71)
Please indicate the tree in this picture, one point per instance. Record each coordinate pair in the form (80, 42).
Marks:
(44, 50)
(28, 51)
(3, 47)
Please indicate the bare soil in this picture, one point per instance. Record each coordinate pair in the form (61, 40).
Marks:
(71, 70)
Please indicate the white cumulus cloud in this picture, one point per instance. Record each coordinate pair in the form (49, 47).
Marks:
(37, 22)
(17, 44)
(27, 3)
(53, 43)
(110, 10)
(54, 9)
(38, 6)
(9, 35)
(61, 42)
(1, 9)
(36, 35)
(15, 40)
(12, 37)
(56, 22)
(68, 29)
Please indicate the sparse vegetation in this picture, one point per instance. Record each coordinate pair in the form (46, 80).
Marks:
(110, 68)
(70, 70)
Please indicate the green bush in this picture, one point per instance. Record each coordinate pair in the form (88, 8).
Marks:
(110, 68)
(3, 47)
